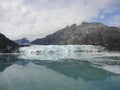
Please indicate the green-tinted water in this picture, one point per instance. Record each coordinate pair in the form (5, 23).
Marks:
(65, 74)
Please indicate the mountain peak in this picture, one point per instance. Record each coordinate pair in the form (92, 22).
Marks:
(22, 41)
(93, 23)
(84, 23)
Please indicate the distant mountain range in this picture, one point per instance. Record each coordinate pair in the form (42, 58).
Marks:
(22, 41)
(93, 33)
(7, 46)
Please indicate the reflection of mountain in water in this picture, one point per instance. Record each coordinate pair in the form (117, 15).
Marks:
(75, 69)
(6, 61)
(69, 67)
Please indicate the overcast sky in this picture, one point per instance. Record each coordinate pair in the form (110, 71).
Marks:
(37, 18)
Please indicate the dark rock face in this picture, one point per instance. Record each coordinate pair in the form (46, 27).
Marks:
(7, 46)
(22, 41)
(85, 34)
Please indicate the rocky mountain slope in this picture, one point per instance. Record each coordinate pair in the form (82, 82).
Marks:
(7, 46)
(85, 34)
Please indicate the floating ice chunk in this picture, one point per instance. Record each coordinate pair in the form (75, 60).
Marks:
(112, 68)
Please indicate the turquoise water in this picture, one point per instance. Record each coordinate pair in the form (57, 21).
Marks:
(70, 72)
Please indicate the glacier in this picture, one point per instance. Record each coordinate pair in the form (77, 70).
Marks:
(57, 52)
(63, 48)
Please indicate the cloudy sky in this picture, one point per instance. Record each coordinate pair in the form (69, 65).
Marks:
(37, 18)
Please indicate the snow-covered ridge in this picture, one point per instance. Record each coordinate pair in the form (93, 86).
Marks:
(61, 48)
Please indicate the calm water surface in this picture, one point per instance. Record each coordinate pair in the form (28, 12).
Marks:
(59, 71)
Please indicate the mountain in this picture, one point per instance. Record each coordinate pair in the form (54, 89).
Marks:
(93, 33)
(22, 41)
(7, 46)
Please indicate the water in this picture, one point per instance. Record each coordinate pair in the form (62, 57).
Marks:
(60, 71)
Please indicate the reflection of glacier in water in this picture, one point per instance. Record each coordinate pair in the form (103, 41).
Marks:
(106, 60)
(55, 75)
